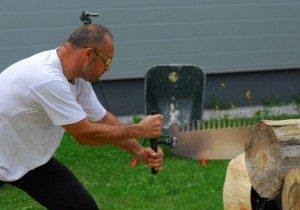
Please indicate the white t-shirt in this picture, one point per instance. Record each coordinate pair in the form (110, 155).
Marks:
(35, 100)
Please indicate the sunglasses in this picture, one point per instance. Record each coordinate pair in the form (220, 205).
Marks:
(106, 60)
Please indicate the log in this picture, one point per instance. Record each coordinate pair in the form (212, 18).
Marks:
(271, 150)
(237, 187)
(291, 190)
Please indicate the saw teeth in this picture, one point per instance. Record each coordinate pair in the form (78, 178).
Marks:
(213, 124)
(198, 125)
(188, 127)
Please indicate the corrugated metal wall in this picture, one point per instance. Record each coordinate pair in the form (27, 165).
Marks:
(219, 36)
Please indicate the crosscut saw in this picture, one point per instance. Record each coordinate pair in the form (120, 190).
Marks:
(216, 139)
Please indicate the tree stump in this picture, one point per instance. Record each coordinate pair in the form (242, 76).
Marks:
(271, 150)
(237, 187)
(291, 190)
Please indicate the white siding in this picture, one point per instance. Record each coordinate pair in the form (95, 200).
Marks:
(218, 35)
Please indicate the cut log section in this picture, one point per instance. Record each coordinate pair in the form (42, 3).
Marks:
(237, 187)
(271, 150)
(291, 190)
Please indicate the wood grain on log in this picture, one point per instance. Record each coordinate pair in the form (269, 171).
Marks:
(291, 190)
(271, 150)
(237, 187)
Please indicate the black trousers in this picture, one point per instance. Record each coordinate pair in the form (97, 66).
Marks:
(54, 186)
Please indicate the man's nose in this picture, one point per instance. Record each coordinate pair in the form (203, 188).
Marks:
(107, 68)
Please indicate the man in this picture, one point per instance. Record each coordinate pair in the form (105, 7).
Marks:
(50, 92)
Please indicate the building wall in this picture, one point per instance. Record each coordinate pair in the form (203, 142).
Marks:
(251, 45)
(219, 36)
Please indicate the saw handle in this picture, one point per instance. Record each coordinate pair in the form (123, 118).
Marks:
(153, 143)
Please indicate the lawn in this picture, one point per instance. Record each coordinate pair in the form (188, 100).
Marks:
(107, 173)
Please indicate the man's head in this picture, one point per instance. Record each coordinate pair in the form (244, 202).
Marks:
(89, 35)
(94, 44)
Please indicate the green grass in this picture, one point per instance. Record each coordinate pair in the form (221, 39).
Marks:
(107, 173)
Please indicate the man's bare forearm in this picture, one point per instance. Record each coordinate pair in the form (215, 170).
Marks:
(130, 145)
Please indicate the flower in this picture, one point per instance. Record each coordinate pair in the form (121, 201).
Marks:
(248, 94)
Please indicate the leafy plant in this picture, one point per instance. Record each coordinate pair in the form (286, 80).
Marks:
(296, 100)
(276, 102)
(217, 103)
(136, 119)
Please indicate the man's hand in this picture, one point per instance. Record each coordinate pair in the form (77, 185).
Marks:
(152, 159)
(152, 126)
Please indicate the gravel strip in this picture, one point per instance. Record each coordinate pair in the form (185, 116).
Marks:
(238, 112)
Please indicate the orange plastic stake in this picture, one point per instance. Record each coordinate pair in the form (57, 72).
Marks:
(134, 162)
(203, 162)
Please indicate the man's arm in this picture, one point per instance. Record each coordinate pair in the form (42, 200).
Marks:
(109, 130)
(88, 133)
(130, 145)
(147, 155)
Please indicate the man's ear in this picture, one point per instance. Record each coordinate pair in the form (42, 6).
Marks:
(88, 53)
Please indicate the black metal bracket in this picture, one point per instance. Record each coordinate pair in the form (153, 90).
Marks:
(86, 17)
(172, 142)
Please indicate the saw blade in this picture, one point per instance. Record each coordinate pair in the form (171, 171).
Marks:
(212, 142)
